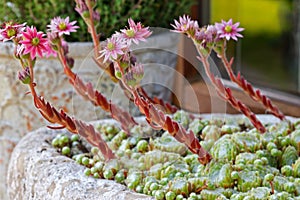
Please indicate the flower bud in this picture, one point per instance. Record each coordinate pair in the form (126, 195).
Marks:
(24, 76)
(124, 65)
(93, 3)
(81, 7)
(130, 80)
(86, 14)
(220, 46)
(138, 71)
(65, 47)
(118, 74)
(70, 62)
(53, 38)
(133, 59)
(96, 15)
(205, 51)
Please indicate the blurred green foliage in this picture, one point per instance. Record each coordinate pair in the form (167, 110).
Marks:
(114, 13)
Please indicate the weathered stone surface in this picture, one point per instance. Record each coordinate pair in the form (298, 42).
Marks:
(38, 172)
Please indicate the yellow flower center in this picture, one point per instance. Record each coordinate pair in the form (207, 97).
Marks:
(228, 29)
(62, 26)
(110, 46)
(130, 33)
(35, 41)
(11, 32)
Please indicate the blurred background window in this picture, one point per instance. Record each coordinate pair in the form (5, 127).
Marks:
(268, 55)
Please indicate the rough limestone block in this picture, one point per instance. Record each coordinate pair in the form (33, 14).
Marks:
(38, 171)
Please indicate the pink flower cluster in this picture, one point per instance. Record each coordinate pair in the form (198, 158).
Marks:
(210, 33)
(185, 25)
(135, 33)
(33, 42)
(117, 50)
(119, 43)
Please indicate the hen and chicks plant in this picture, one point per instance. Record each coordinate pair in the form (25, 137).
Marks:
(116, 59)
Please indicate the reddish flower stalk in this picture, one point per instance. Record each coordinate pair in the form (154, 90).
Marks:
(73, 125)
(168, 108)
(88, 92)
(226, 94)
(106, 66)
(130, 73)
(255, 94)
(93, 32)
(83, 7)
(157, 119)
(213, 37)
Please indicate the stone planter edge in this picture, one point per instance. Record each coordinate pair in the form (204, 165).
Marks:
(38, 171)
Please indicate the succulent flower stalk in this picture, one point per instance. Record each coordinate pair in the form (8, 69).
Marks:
(87, 91)
(214, 37)
(75, 126)
(226, 94)
(255, 94)
(234, 163)
(158, 120)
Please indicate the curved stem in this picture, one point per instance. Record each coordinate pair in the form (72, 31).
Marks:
(226, 94)
(73, 125)
(159, 120)
(92, 30)
(87, 91)
(255, 94)
(170, 109)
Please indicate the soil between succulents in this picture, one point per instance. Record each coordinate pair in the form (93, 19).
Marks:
(245, 165)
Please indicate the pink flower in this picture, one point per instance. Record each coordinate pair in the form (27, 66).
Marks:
(49, 51)
(62, 26)
(185, 24)
(135, 33)
(34, 42)
(228, 30)
(114, 47)
(11, 30)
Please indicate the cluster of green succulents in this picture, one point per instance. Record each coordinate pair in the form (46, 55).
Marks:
(245, 165)
(64, 143)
